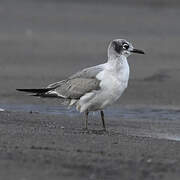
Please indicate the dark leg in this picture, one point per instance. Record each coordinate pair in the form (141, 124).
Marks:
(86, 120)
(102, 118)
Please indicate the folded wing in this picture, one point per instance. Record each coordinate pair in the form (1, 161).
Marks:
(78, 84)
(72, 88)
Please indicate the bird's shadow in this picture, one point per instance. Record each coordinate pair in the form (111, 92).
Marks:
(87, 131)
(95, 131)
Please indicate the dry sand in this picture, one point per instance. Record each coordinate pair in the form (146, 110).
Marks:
(45, 41)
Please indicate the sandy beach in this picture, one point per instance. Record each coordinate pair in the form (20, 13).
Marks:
(46, 41)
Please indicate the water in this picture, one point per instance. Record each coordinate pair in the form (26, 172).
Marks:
(43, 109)
(155, 115)
(144, 113)
(127, 113)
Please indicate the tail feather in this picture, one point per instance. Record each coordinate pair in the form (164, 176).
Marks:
(36, 91)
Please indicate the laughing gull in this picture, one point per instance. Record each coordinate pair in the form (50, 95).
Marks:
(97, 87)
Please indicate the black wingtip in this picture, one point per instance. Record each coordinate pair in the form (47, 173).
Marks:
(43, 90)
(19, 89)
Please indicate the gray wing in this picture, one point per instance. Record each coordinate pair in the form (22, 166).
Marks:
(88, 72)
(78, 84)
(75, 88)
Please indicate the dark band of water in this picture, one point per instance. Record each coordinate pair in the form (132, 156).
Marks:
(129, 113)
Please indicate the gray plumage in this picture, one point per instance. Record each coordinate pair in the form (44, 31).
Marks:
(88, 72)
(76, 85)
(74, 88)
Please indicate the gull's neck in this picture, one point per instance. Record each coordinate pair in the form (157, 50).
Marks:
(117, 62)
(119, 66)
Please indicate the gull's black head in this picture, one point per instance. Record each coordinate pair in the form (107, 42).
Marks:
(122, 47)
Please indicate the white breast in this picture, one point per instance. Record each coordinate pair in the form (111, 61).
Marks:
(123, 70)
(115, 74)
(114, 80)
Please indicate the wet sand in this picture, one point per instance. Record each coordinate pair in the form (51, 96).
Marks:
(35, 146)
(45, 41)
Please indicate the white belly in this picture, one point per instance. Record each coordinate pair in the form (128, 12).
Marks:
(114, 80)
(111, 90)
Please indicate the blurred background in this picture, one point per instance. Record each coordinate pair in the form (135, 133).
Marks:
(43, 41)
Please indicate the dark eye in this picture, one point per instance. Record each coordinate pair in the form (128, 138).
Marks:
(126, 46)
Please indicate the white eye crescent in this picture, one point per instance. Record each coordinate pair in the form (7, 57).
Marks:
(125, 46)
